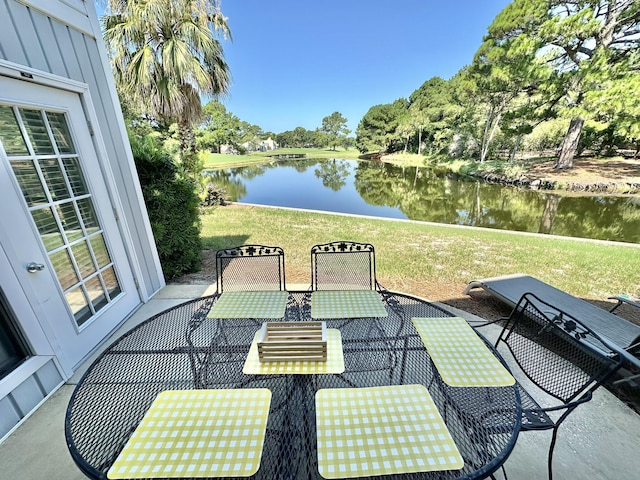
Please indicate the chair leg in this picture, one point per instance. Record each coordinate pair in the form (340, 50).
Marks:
(616, 306)
(551, 447)
(504, 473)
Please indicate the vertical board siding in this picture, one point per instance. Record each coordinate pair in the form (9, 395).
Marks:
(10, 41)
(55, 60)
(9, 415)
(22, 400)
(30, 38)
(62, 36)
(21, 17)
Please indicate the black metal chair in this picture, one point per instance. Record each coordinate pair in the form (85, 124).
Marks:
(560, 356)
(250, 267)
(343, 265)
(347, 265)
(242, 268)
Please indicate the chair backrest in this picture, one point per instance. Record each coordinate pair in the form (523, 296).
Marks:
(343, 266)
(250, 267)
(556, 351)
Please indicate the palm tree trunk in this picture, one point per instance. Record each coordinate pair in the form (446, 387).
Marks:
(188, 150)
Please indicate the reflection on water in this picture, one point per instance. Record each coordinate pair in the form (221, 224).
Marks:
(386, 190)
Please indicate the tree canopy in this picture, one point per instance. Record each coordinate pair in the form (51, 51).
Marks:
(334, 126)
(541, 62)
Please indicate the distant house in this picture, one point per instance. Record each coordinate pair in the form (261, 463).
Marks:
(77, 255)
(261, 145)
(267, 144)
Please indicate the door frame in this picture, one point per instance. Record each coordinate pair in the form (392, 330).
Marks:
(127, 258)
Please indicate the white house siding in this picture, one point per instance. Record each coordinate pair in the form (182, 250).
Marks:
(34, 39)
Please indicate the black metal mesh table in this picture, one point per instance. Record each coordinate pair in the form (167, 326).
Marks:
(182, 349)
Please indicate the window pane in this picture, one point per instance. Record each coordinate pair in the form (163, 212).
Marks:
(100, 250)
(111, 282)
(83, 259)
(79, 305)
(61, 133)
(37, 131)
(76, 179)
(96, 293)
(48, 228)
(54, 179)
(70, 221)
(64, 269)
(12, 349)
(10, 134)
(29, 182)
(88, 215)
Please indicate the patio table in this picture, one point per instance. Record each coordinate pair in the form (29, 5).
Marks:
(183, 349)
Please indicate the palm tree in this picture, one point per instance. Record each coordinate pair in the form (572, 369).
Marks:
(165, 54)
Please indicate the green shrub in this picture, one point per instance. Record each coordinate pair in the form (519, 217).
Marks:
(172, 204)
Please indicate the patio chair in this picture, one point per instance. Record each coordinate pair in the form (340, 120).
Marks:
(347, 265)
(250, 268)
(343, 265)
(562, 357)
(241, 268)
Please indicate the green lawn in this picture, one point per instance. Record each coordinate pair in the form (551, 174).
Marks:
(218, 160)
(410, 255)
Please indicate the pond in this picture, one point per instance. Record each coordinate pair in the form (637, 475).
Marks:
(418, 193)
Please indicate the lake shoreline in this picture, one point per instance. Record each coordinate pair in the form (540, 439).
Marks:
(609, 176)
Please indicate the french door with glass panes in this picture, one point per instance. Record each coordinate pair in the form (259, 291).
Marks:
(60, 231)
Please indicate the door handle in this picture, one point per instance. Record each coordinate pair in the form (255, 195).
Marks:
(34, 267)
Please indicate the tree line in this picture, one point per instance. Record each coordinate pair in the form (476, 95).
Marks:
(220, 127)
(550, 74)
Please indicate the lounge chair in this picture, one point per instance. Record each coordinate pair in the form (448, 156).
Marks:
(633, 300)
(510, 288)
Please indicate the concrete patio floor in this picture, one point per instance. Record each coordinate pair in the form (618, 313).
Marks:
(598, 441)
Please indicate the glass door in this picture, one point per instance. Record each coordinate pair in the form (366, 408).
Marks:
(57, 223)
(47, 166)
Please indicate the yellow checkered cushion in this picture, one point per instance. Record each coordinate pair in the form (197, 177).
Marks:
(346, 304)
(250, 305)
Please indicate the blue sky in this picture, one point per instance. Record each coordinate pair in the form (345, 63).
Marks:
(293, 62)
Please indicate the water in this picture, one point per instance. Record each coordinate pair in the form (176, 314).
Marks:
(386, 190)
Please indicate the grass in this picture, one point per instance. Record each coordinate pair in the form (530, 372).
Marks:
(219, 160)
(410, 254)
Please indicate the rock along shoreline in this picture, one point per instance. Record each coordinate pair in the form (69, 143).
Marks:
(543, 184)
